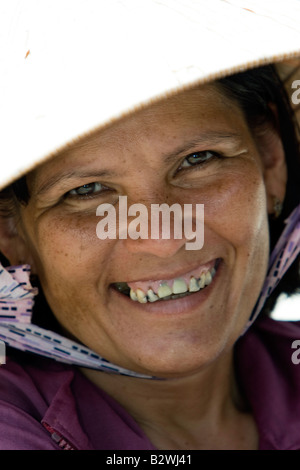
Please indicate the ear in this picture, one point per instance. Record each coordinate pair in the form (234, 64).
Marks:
(272, 153)
(12, 244)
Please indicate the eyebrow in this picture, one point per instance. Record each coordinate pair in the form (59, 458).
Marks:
(209, 138)
(68, 175)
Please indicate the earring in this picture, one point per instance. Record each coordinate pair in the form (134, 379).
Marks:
(277, 207)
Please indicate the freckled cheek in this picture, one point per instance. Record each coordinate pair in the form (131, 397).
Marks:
(235, 207)
(68, 246)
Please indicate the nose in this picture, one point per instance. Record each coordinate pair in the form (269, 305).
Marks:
(162, 248)
(156, 229)
(159, 229)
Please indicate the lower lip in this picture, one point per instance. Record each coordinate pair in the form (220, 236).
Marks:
(172, 306)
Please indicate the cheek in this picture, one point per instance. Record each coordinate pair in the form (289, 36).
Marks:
(72, 267)
(235, 206)
(238, 220)
(236, 223)
(67, 250)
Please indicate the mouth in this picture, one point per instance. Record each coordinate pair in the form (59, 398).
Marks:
(172, 289)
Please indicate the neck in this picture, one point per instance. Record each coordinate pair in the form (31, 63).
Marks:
(199, 410)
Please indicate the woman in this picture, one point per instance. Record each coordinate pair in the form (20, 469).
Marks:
(154, 342)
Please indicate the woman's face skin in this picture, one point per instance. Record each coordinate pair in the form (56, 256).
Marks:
(144, 157)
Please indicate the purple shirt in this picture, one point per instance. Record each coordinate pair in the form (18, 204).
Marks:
(47, 405)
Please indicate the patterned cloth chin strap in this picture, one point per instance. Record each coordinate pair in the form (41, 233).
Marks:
(17, 331)
(284, 254)
(16, 302)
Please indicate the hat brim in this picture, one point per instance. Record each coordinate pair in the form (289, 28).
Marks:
(71, 67)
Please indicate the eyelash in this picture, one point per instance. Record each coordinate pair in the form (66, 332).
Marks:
(209, 157)
(86, 195)
(187, 163)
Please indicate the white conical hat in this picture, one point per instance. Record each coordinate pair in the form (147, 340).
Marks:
(68, 67)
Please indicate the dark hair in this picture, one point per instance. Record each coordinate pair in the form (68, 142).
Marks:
(254, 91)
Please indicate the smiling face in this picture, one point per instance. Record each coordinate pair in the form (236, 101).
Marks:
(193, 148)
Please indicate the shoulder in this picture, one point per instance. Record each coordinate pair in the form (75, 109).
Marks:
(27, 380)
(26, 389)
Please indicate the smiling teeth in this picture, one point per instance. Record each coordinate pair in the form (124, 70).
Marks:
(133, 295)
(151, 296)
(178, 289)
(193, 285)
(164, 290)
(141, 296)
(179, 286)
(208, 278)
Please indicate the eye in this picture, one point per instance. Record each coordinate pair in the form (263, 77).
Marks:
(198, 158)
(85, 190)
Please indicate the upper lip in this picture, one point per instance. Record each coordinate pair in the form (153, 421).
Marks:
(173, 274)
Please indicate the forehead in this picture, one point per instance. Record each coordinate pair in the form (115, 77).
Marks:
(204, 110)
(184, 109)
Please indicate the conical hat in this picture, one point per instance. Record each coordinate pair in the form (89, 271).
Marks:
(69, 67)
